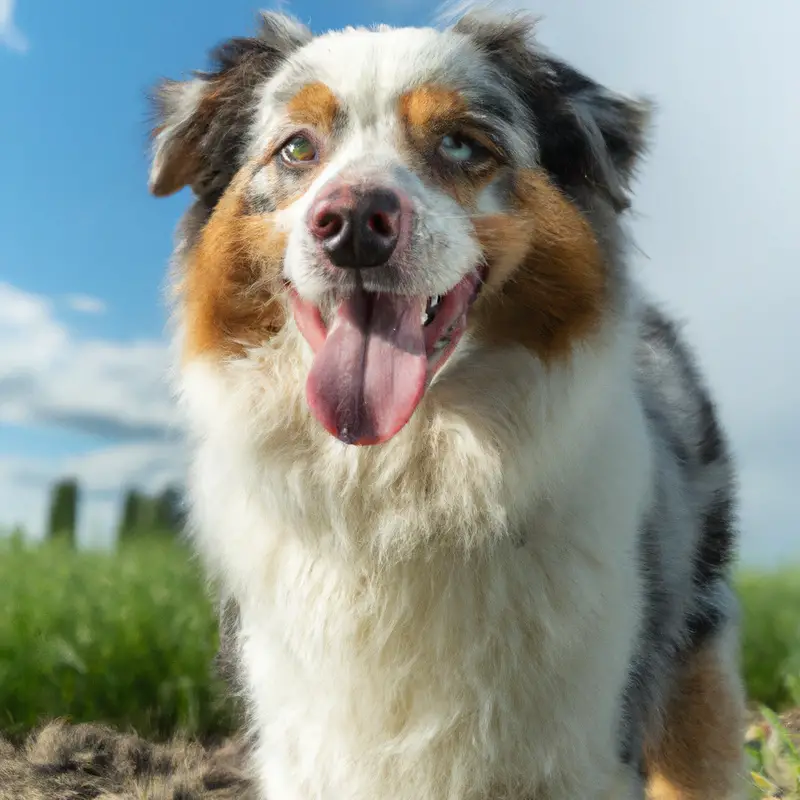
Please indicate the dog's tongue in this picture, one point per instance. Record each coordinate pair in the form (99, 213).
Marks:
(369, 375)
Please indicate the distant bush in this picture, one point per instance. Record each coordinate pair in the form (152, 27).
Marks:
(144, 514)
(63, 516)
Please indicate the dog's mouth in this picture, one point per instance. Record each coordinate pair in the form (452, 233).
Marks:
(374, 360)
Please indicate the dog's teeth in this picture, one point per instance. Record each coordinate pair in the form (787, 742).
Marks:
(431, 309)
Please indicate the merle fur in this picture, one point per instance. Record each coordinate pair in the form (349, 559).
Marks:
(672, 627)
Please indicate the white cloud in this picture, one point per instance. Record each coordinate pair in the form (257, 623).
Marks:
(10, 35)
(86, 304)
(115, 391)
(47, 376)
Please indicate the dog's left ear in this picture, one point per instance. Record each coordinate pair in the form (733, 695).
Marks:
(588, 136)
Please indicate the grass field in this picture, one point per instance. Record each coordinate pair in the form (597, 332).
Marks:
(128, 639)
(124, 638)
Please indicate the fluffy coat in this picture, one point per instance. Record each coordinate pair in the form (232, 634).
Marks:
(523, 592)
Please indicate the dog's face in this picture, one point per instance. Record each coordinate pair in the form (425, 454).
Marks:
(392, 191)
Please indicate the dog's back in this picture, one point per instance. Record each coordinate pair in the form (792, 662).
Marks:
(685, 679)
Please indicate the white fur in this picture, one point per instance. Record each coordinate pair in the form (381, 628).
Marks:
(399, 641)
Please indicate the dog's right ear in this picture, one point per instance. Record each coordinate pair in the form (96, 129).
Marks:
(201, 123)
(588, 135)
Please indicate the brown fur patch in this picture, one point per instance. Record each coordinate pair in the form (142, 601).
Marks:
(700, 754)
(232, 289)
(546, 287)
(430, 107)
(316, 105)
(429, 113)
(92, 761)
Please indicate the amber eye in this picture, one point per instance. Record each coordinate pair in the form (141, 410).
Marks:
(299, 150)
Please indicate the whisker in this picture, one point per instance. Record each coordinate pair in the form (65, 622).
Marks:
(465, 216)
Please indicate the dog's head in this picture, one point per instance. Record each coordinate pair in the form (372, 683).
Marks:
(397, 193)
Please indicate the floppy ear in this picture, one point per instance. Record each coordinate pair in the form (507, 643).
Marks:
(201, 123)
(588, 136)
(592, 135)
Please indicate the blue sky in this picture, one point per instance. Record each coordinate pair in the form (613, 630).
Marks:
(84, 247)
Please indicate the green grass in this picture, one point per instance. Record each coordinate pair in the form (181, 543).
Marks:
(125, 638)
(771, 645)
(128, 638)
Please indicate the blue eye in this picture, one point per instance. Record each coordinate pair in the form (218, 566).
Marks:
(458, 148)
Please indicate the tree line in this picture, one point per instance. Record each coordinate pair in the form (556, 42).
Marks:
(141, 513)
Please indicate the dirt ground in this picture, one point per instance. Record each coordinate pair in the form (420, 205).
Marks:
(92, 762)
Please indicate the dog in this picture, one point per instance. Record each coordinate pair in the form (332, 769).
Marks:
(461, 485)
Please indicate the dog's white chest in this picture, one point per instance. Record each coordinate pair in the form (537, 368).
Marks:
(431, 680)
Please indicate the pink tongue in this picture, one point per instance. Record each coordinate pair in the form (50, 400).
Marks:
(369, 375)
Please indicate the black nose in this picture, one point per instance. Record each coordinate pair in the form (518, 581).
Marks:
(357, 229)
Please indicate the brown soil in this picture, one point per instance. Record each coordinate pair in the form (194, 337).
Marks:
(83, 762)
(79, 762)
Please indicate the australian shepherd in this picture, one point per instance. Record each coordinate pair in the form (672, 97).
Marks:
(461, 484)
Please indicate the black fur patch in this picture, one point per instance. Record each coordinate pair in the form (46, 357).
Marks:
(717, 547)
(712, 447)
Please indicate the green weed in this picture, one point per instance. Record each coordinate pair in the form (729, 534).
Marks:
(774, 760)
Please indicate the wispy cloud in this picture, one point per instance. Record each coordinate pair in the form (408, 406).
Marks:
(48, 376)
(86, 304)
(10, 35)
